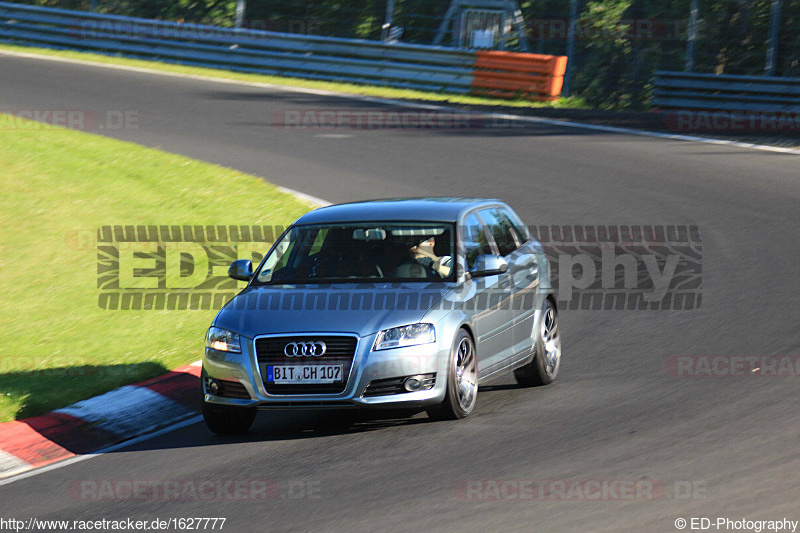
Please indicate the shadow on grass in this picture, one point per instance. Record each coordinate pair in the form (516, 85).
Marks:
(46, 389)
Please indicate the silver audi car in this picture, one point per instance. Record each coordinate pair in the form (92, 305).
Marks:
(401, 303)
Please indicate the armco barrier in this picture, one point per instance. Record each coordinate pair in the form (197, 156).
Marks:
(430, 68)
(507, 74)
(687, 90)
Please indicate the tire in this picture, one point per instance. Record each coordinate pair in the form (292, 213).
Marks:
(226, 420)
(462, 381)
(543, 369)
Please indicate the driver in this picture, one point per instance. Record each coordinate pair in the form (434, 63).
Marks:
(424, 255)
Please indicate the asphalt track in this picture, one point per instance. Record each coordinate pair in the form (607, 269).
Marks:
(614, 414)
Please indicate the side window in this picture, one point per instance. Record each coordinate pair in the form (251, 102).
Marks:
(279, 257)
(500, 228)
(475, 241)
(520, 229)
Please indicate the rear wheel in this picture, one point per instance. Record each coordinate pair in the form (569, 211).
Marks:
(547, 352)
(462, 381)
(224, 419)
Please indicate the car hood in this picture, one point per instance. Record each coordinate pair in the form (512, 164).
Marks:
(349, 308)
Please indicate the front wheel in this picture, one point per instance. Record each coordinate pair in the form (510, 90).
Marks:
(462, 381)
(547, 352)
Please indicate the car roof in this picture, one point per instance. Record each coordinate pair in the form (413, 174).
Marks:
(396, 209)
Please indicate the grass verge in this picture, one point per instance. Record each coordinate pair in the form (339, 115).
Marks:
(60, 346)
(347, 88)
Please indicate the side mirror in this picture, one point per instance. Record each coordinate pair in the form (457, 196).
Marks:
(241, 270)
(489, 265)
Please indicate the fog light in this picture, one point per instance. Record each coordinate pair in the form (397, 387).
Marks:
(212, 385)
(413, 383)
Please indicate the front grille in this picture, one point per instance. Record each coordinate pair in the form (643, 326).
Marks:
(232, 389)
(329, 404)
(340, 350)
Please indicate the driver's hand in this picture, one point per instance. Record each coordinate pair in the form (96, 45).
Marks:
(442, 266)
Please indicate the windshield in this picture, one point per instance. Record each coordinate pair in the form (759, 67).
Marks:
(348, 253)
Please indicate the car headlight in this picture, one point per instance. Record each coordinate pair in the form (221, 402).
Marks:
(409, 335)
(223, 340)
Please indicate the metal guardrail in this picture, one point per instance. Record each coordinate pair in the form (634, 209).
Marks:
(430, 68)
(686, 90)
(263, 52)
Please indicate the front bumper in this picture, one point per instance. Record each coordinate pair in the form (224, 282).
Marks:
(368, 366)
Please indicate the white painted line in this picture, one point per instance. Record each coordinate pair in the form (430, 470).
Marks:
(303, 196)
(646, 133)
(11, 464)
(402, 103)
(128, 411)
(115, 447)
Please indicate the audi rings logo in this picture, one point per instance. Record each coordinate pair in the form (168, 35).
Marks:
(305, 349)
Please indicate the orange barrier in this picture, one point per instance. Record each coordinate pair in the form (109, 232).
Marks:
(511, 75)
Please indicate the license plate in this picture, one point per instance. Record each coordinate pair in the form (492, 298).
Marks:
(304, 374)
